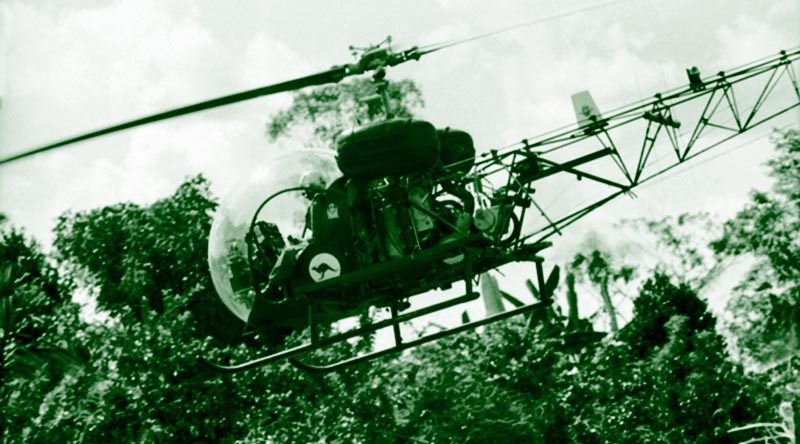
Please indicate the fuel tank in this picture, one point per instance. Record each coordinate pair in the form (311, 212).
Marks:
(388, 148)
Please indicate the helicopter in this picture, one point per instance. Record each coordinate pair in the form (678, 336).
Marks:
(410, 208)
(403, 206)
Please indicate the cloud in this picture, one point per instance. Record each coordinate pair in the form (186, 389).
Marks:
(747, 39)
(77, 69)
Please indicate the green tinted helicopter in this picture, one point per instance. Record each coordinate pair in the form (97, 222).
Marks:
(400, 207)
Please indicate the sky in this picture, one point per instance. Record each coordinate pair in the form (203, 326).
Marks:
(67, 66)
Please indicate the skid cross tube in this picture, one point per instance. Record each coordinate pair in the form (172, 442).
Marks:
(419, 341)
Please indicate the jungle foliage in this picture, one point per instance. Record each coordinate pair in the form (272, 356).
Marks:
(666, 375)
(766, 305)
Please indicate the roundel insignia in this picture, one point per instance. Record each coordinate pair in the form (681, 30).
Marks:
(324, 266)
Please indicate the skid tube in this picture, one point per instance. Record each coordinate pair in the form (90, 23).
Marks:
(398, 347)
(318, 343)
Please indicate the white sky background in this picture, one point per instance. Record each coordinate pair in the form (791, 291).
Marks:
(67, 66)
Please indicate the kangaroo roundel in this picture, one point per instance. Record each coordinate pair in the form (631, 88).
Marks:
(324, 266)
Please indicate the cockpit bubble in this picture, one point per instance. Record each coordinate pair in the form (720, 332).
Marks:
(228, 249)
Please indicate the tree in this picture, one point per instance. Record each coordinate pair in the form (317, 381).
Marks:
(665, 378)
(597, 267)
(136, 256)
(681, 244)
(317, 116)
(30, 285)
(32, 296)
(766, 304)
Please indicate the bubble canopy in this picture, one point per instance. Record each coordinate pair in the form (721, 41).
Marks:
(227, 248)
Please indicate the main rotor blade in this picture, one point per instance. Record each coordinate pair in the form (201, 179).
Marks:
(369, 61)
(427, 49)
(332, 75)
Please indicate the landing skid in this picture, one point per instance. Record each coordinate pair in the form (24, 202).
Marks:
(545, 292)
(400, 345)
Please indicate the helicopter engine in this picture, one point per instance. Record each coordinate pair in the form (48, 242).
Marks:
(392, 199)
